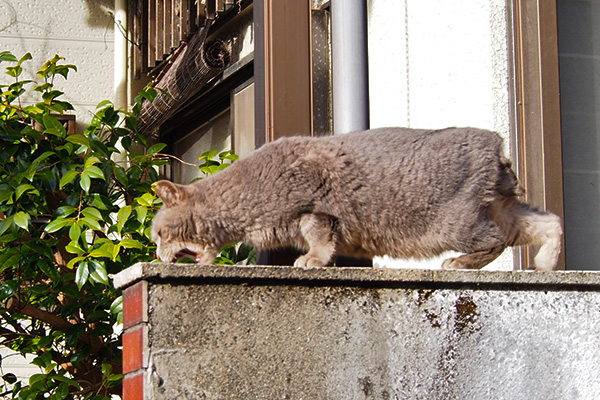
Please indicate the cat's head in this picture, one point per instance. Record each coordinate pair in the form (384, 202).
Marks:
(177, 230)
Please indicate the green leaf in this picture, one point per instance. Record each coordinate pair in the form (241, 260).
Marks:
(106, 250)
(92, 223)
(91, 212)
(72, 335)
(90, 161)
(7, 56)
(75, 232)
(62, 391)
(43, 87)
(209, 170)
(147, 200)
(85, 182)
(106, 369)
(5, 224)
(60, 378)
(51, 95)
(156, 148)
(131, 244)
(117, 305)
(37, 378)
(126, 141)
(22, 220)
(148, 94)
(98, 272)
(9, 378)
(141, 213)
(74, 248)
(8, 288)
(99, 147)
(43, 360)
(14, 71)
(41, 158)
(46, 341)
(67, 178)
(6, 192)
(141, 139)
(74, 261)
(82, 274)
(79, 139)
(229, 155)
(101, 202)
(26, 56)
(25, 188)
(49, 269)
(53, 126)
(208, 155)
(121, 175)
(103, 104)
(57, 224)
(122, 217)
(94, 172)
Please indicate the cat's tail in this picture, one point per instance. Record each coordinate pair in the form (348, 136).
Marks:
(523, 224)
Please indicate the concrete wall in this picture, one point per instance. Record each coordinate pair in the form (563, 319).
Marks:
(79, 30)
(204, 332)
(437, 63)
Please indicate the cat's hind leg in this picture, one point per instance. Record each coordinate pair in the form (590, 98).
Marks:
(475, 260)
(318, 233)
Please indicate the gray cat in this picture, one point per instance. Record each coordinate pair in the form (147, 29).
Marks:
(395, 191)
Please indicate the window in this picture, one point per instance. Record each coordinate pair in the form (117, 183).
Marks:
(557, 59)
(219, 118)
(579, 55)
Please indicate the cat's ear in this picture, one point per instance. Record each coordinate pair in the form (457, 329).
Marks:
(170, 193)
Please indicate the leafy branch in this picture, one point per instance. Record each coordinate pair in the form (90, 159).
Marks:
(70, 218)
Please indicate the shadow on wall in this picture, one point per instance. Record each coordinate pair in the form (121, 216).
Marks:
(97, 13)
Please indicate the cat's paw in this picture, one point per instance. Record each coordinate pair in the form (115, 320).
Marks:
(452, 263)
(309, 261)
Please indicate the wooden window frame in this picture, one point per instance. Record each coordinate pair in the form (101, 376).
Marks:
(283, 69)
(537, 114)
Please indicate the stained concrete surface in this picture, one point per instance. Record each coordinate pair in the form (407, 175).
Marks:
(362, 333)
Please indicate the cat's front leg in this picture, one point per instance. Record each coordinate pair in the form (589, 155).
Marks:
(317, 231)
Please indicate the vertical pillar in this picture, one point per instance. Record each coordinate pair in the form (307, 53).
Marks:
(350, 65)
(283, 81)
(282, 69)
(120, 58)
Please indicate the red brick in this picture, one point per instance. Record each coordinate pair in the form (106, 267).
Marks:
(134, 343)
(133, 387)
(135, 304)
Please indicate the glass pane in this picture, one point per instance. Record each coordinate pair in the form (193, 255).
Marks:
(213, 135)
(579, 52)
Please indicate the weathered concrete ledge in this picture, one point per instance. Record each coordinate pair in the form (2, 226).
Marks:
(262, 332)
(564, 280)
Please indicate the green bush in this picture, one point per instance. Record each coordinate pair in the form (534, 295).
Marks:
(74, 210)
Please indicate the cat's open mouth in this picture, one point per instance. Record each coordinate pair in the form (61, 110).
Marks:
(187, 253)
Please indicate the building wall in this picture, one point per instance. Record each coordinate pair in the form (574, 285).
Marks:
(79, 30)
(433, 64)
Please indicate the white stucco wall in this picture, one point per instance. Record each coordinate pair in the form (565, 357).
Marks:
(435, 64)
(79, 30)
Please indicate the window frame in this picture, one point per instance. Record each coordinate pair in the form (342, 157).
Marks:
(538, 138)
